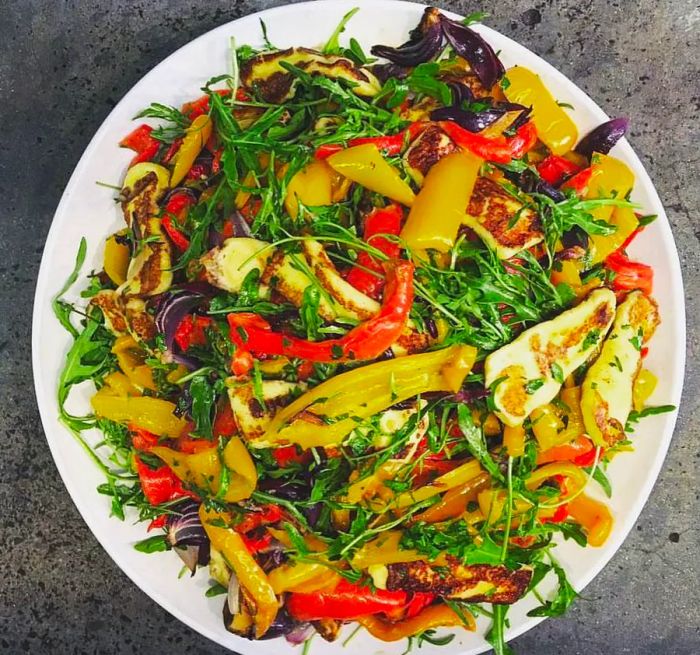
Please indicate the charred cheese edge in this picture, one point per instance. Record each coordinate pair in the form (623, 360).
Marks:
(606, 392)
(502, 221)
(525, 364)
(426, 150)
(227, 266)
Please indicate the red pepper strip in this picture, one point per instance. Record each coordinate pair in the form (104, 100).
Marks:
(175, 212)
(201, 105)
(159, 485)
(380, 221)
(190, 332)
(142, 143)
(267, 514)
(559, 515)
(391, 145)
(170, 152)
(366, 341)
(554, 169)
(158, 522)
(631, 238)
(499, 149)
(629, 275)
(142, 439)
(241, 362)
(224, 423)
(286, 455)
(199, 171)
(255, 545)
(567, 452)
(186, 444)
(180, 241)
(346, 602)
(586, 459)
(579, 182)
(418, 601)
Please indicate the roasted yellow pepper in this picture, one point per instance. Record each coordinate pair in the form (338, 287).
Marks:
(196, 136)
(431, 617)
(546, 426)
(230, 475)
(302, 577)
(116, 259)
(384, 550)
(312, 186)
(454, 478)
(325, 415)
(555, 128)
(365, 165)
(440, 207)
(644, 385)
(151, 414)
(120, 385)
(131, 359)
(610, 177)
(514, 440)
(625, 220)
(250, 576)
(594, 516)
(455, 501)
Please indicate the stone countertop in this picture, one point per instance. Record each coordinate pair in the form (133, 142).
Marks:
(63, 66)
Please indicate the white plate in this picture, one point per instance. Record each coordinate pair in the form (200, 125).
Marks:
(87, 209)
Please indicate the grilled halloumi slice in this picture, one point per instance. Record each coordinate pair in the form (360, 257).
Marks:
(227, 266)
(477, 583)
(427, 149)
(528, 372)
(502, 221)
(274, 83)
(606, 393)
(142, 325)
(110, 302)
(250, 415)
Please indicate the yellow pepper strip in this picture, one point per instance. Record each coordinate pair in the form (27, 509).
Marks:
(458, 476)
(455, 501)
(365, 165)
(435, 616)
(131, 358)
(340, 186)
(440, 207)
(116, 259)
(514, 440)
(311, 186)
(545, 426)
(571, 397)
(196, 136)
(250, 181)
(555, 128)
(626, 222)
(204, 469)
(610, 176)
(120, 385)
(302, 577)
(644, 385)
(594, 516)
(250, 576)
(491, 503)
(384, 550)
(151, 414)
(326, 414)
(574, 474)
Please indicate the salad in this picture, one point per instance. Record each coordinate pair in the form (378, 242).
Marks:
(368, 336)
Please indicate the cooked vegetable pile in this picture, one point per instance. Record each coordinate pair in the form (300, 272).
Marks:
(368, 336)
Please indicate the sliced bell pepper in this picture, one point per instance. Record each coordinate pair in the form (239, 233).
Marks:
(174, 216)
(567, 452)
(142, 439)
(579, 183)
(440, 207)
(435, 616)
(303, 577)
(159, 485)
(142, 143)
(250, 576)
(566, 469)
(594, 516)
(327, 413)
(455, 501)
(116, 258)
(366, 341)
(196, 135)
(230, 475)
(609, 177)
(190, 331)
(384, 549)
(365, 165)
(559, 515)
(131, 357)
(224, 423)
(241, 362)
(555, 128)
(311, 186)
(386, 220)
(390, 145)
(626, 222)
(346, 602)
(630, 275)
(644, 385)
(514, 440)
(554, 169)
(499, 149)
(287, 455)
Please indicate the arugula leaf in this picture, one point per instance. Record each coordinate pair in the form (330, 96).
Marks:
(602, 479)
(557, 372)
(634, 416)
(311, 319)
(496, 634)
(203, 400)
(566, 595)
(61, 309)
(475, 441)
(332, 46)
(423, 79)
(215, 590)
(155, 544)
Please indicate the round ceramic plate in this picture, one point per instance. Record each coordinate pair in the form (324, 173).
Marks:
(89, 210)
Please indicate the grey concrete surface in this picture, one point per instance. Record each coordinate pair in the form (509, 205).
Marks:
(65, 63)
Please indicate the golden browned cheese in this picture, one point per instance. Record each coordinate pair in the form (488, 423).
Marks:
(142, 326)
(501, 220)
(429, 147)
(265, 75)
(113, 311)
(141, 202)
(477, 583)
(329, 629)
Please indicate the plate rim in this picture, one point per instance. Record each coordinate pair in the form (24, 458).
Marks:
(43, 292)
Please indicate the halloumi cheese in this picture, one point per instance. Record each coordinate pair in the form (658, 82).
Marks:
(606, 392)
(227, 266)
(528, 372)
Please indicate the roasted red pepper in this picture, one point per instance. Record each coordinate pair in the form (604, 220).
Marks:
(241, 362)
(224, 423)
(201, 105)
(174, 215)
(578, 448)
(287, 455)
(499, 149)
(579, 182)
(559, 515)
(391, 145)
(366, 341)
(159, 485)
(265, 515)
(191, 332)
(142, 439)
(346, 602)
(142, 143)
(629, 275)
(554, 169)
(380, 221)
